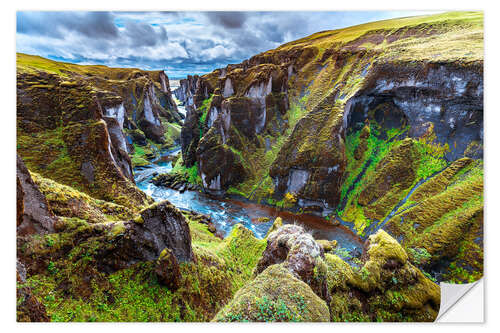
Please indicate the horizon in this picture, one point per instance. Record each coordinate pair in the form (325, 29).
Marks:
(179, 43)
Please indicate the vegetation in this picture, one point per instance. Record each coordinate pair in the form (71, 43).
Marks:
(399, 186)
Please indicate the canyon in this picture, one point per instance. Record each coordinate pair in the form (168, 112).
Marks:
(346, 166)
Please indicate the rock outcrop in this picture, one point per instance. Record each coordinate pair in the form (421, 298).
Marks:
(300, 254)
(33, 213)
(275, 295)
(78, 124)
(159, 226)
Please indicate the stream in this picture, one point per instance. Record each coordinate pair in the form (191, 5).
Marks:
(225, 213)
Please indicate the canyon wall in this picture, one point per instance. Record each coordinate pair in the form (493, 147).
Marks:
(79, 125)
(348, 124)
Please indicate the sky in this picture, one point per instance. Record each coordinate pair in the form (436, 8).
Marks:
(180, 43)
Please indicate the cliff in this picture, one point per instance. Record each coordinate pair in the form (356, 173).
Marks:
(80, 125)
(349, 123)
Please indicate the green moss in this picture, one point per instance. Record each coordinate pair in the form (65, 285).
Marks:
(190, 174)
(269, 298)
(66, 201)
(172, 133)
(204, 108)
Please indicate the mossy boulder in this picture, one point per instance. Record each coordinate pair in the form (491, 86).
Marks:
(161, 226)
(327, 245)
(275, 295)
(299, 252)
(388, 287)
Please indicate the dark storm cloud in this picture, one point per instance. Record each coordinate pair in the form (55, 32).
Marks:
(230, 20)
(55, 24)
(142, 34)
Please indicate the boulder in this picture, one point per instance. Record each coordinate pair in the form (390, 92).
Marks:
(327, 245)
(275, 295)
(159, 226)
(167, 270)
(300, 254)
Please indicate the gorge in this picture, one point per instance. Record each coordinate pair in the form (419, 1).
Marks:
(338, 177)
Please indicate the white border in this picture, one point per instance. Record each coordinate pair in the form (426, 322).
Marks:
(492, 122)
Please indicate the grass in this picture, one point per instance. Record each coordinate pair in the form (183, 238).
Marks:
(456, 28)
(31, 63)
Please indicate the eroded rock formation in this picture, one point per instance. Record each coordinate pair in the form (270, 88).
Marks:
(33, 213)
(78, 124)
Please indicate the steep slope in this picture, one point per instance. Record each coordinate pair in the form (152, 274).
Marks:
(79, 124)
(344, 123)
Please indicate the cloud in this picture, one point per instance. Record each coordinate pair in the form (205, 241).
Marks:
(141, 34)
(180, 42)
(230, 20)
(56, 24)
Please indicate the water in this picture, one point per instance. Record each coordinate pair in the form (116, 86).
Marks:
(225, 213)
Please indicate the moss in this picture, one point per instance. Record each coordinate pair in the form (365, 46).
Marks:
(59, 154)
(446, 220)
(382, 246)
(268, 298)
(278, 222)
(138, 219)
(65, 201)
(172, 134)
(117, 229)
(380, 177)
(241, 251)
(139, 161)
(191, 174)
(388, 287)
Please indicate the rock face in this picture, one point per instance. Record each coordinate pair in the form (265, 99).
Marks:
(275, 295)
(149, 119)
(448, 97)
(300, 254)
(187, 89)
(33, 213)
(77, 124)
(351, 125)
(223, 116)
(288, 112)
(160, 226)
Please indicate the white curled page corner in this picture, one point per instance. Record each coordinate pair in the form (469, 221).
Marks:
(462, 303)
